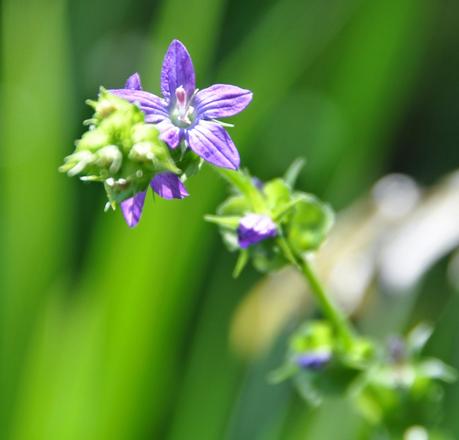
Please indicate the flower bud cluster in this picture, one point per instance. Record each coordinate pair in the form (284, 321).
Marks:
(119, 149)
(267, 221)
(390, 384)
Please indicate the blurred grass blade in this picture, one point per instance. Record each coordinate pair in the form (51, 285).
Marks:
(35, 212)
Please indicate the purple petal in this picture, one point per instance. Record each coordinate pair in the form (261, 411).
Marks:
(169, 133)
(168, 186)
(313, 360)
(221, 101)
(132, 209)
(133, 82)
(177, 70)
(211, 141)
(154, 118)
(153, 106)
(254, 228)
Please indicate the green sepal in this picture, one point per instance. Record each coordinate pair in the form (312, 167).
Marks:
(230, 222)
(188, 161)
(234, 205)
(243, 183)
(433, 368)
(267, 256)
(241, 262)
(312, 336)
(418, 337)
(284, 372)
(278, 196)
(309, 224)
(293, 171)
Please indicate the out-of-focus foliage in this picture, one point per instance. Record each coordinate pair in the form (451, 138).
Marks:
(109, 333)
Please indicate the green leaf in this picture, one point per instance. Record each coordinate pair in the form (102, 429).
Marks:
(309, 224)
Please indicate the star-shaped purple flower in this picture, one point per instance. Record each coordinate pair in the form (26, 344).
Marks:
(254, 228)
(188, 114)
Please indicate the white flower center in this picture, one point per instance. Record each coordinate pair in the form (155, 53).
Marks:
(183, 114)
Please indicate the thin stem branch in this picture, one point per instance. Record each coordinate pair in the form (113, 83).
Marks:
(330, 310)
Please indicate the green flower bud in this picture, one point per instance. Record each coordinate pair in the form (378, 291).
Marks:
(77, 163)
(288, 220)
(144, 132)
(110, 157)
(142, 152)
(93, 140)
(119, 149)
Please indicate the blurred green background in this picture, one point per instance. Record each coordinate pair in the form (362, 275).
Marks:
(110, 333)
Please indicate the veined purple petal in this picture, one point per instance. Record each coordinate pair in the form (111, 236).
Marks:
(211, 141)
(168, 186)
(150, 104)
(221, 101)
(169, 133)
(155, 118)
(132, 209)
(177, 71)
(313, 360)
(133, 82)
(254, 228)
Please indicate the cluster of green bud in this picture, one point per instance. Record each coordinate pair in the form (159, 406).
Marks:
(119, 149)
(302, 221)
(391, 385)
(403, 387)
(320, 364)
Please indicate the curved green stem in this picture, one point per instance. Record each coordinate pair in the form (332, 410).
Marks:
(336, 317)
(340, 322)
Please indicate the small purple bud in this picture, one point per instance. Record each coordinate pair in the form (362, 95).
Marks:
(397, 349)
(313, 360)
(254, 228)
(258, 183)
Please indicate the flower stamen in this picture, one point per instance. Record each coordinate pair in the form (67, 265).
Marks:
(183, 114)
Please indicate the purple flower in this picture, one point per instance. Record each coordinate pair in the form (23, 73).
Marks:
(188, 114)
(166, 185)
(313, 360)
(254, 228)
